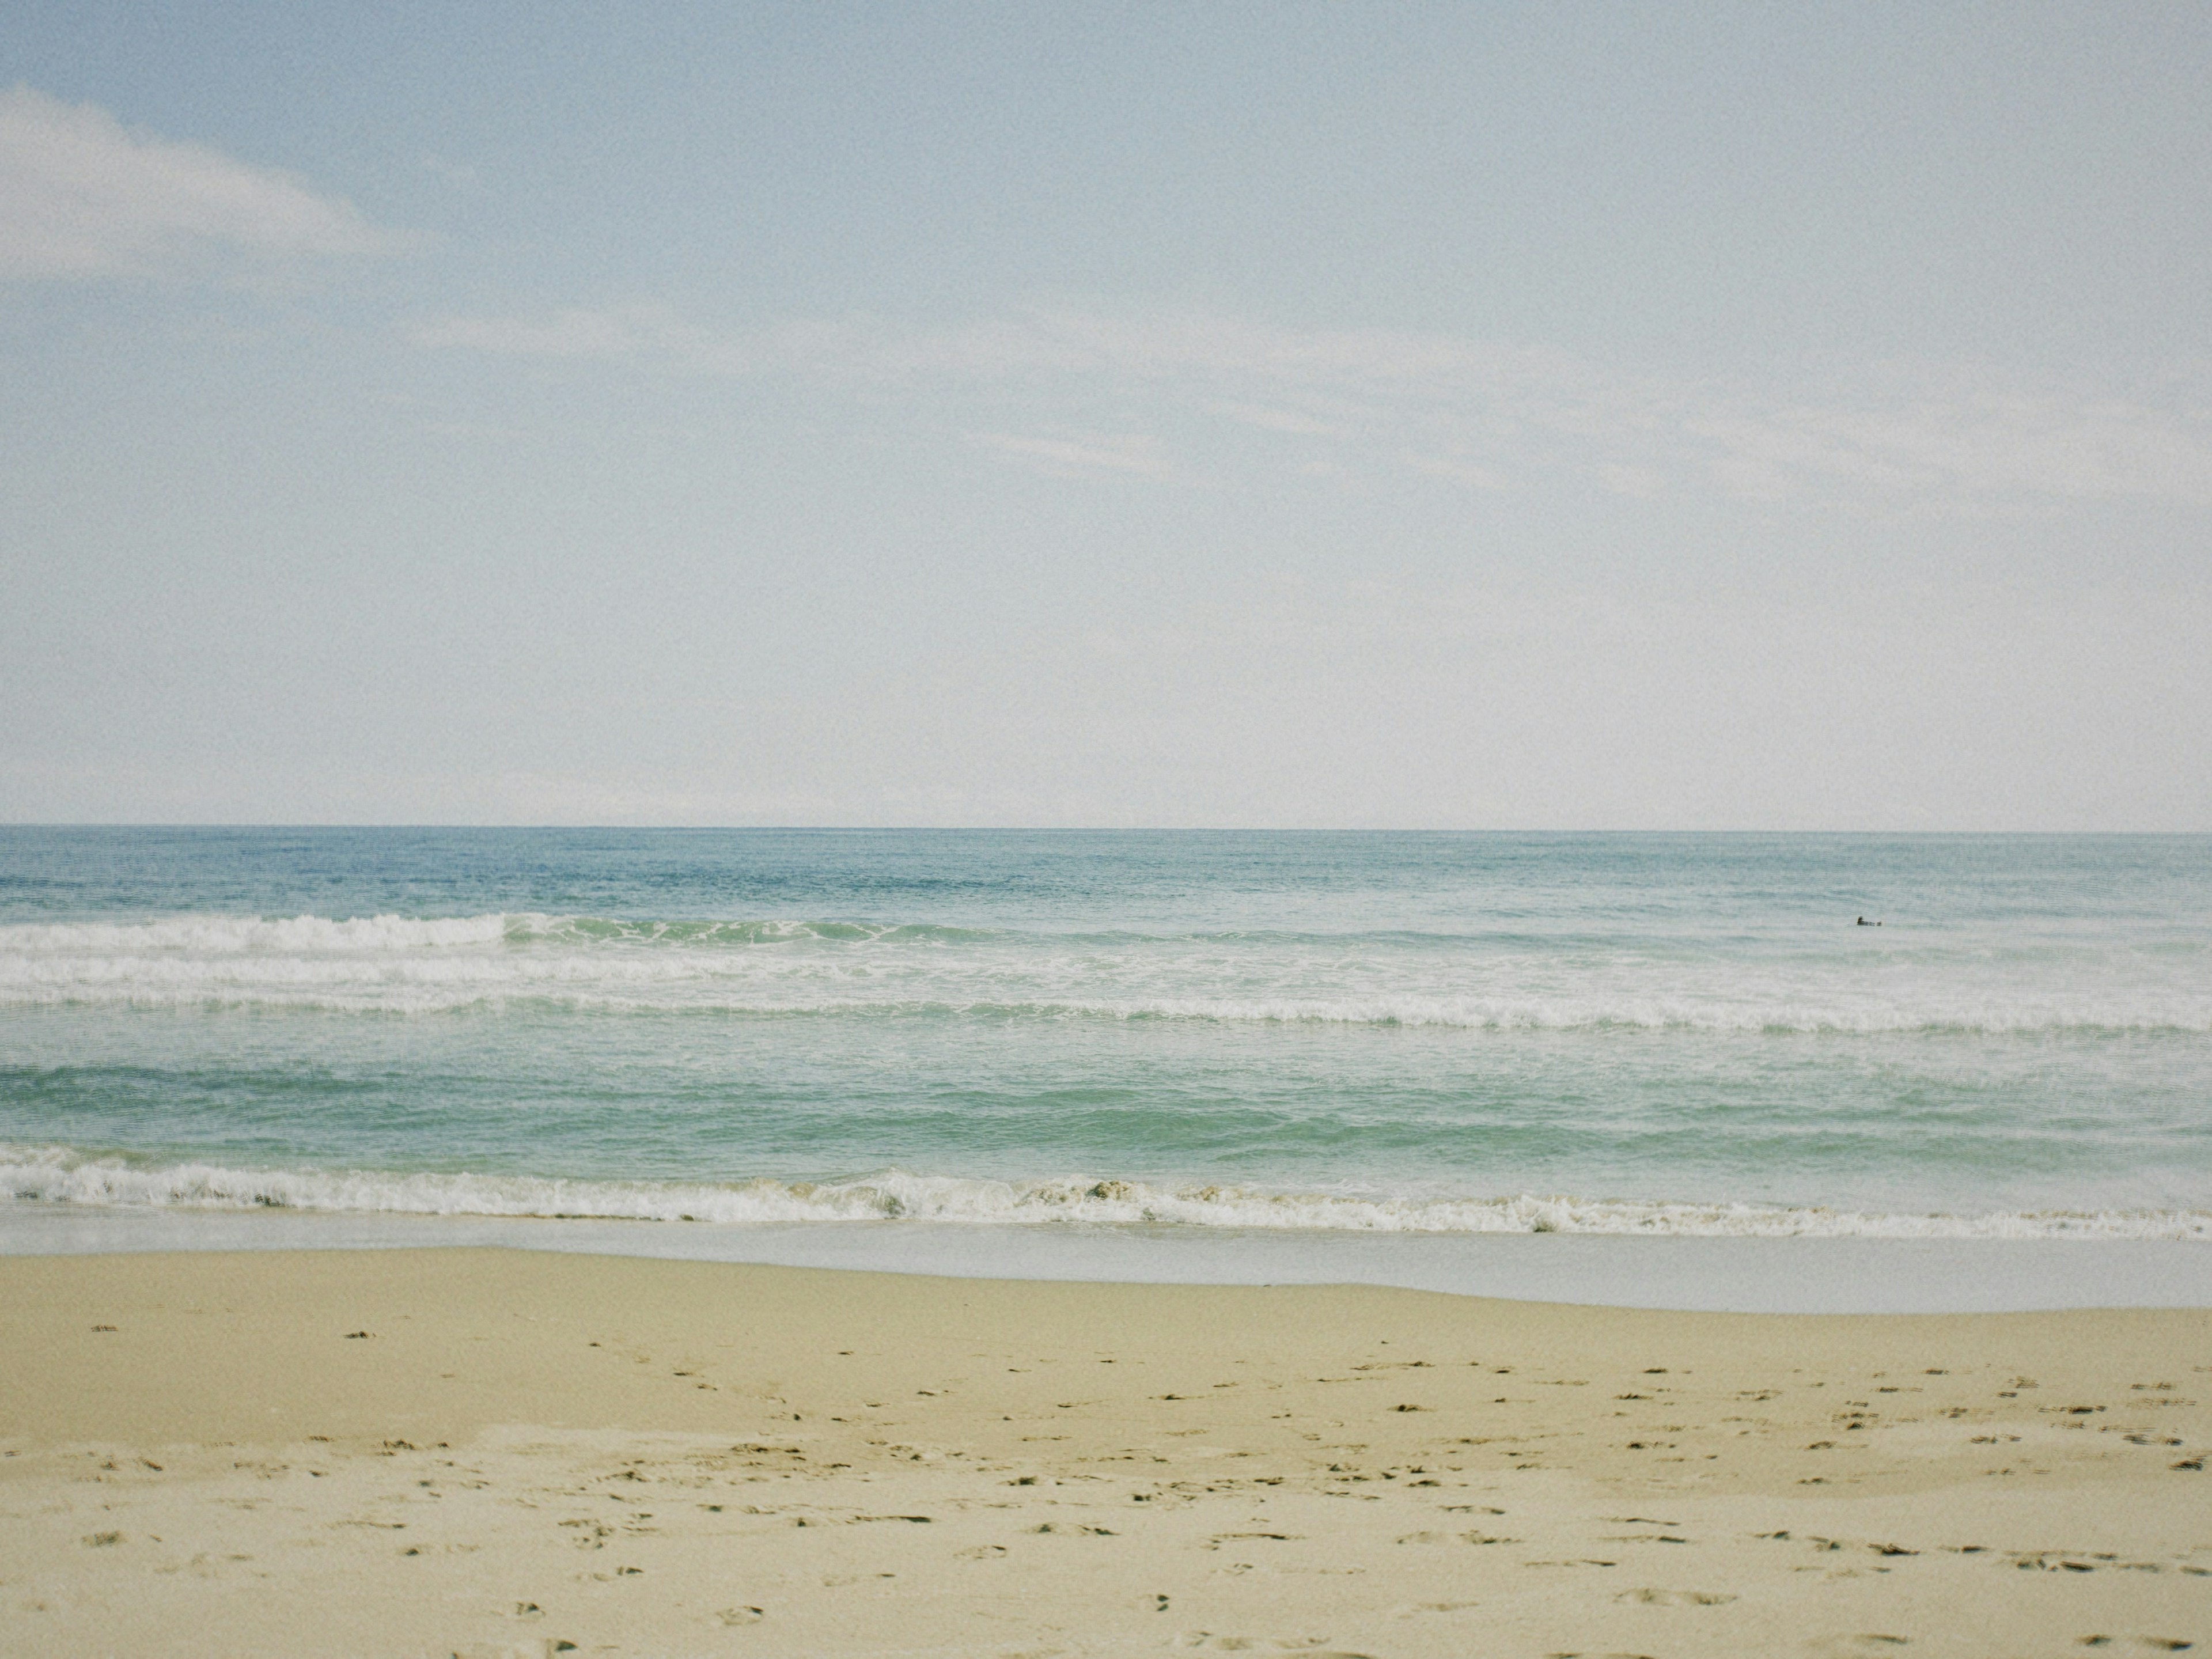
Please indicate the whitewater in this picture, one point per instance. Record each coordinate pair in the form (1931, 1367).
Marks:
(1648, 1036)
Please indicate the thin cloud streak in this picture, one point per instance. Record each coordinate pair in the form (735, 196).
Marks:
(1135, 453)
(83, 197)
(1488, 414)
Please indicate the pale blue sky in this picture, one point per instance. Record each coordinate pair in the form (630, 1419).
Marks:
(1566, 416)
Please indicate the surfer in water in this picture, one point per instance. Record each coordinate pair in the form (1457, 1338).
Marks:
(1863, 922)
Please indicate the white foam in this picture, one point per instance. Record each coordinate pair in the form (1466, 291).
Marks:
(60, 1175)
(245, 935)
(403, 965)
(411, 987)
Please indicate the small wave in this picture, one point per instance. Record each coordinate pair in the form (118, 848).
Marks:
(392, 964)
(646, 986)
(60, 1175)
(237, 936)
(709, 935)
(354, 936)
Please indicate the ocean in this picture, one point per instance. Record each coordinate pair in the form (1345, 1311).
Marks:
(987, 1050)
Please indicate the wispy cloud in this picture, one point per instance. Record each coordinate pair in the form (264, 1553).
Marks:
(82, 196)
(1487, 415)
(1458, 471)
(648, 336)
(611, 335)
(1275, 420)
(1139, 453)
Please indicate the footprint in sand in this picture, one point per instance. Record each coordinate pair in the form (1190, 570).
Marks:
(1665, 1598)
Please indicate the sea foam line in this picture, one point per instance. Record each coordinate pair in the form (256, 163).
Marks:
(60, 1175)
(223, 935)
(231, 935)
(572, 986)
(399, 965)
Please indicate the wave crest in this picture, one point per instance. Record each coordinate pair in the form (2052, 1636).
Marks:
(254, 935)
(392, 964)
(63, 1177)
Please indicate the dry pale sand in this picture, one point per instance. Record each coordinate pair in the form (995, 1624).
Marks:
(488, 1452)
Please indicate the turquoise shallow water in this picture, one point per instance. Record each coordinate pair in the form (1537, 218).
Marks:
(1427, 1034)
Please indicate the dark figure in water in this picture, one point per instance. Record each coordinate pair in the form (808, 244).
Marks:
(1863, 922)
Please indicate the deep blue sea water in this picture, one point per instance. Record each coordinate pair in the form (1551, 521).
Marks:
(1176, 1032)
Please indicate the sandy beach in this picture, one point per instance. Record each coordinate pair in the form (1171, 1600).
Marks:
(487, 1452)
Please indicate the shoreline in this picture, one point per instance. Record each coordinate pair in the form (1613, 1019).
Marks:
(1679, 1272)
(643, 1455)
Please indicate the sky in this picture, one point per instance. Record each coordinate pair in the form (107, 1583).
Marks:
(1619, 416)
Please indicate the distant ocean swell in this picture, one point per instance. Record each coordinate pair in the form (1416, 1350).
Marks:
(356, 935)
(61, 1175)
(772, 969)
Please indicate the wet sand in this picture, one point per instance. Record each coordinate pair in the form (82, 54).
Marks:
(484, 1452)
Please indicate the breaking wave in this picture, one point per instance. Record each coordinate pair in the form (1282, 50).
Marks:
(400, 965)
(60, 1175)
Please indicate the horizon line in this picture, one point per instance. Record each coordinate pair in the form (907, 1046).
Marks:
(1054, 828)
